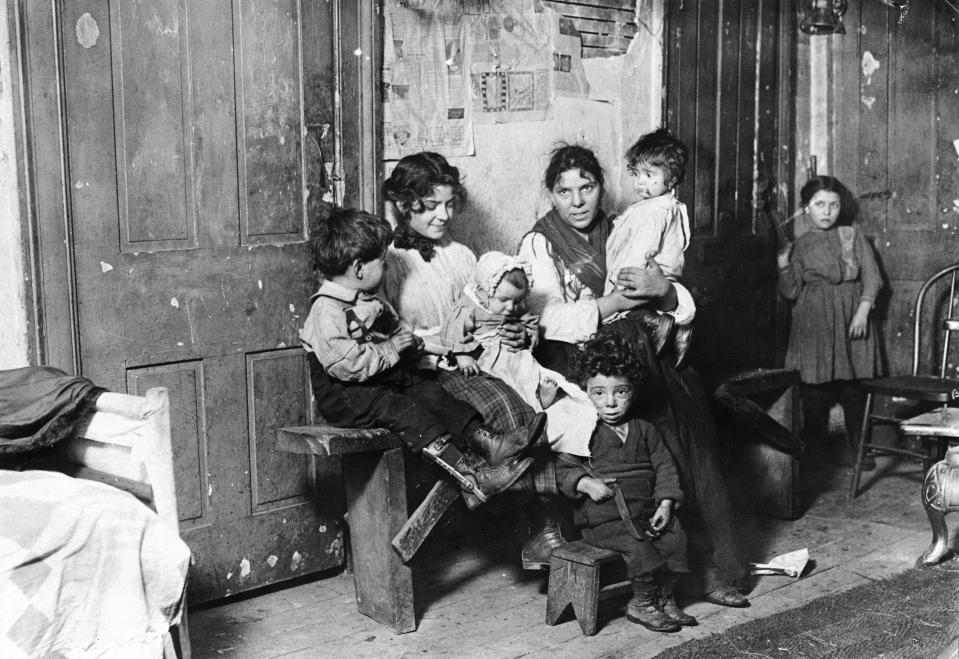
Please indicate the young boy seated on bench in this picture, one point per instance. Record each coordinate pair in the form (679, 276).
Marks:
(361, 343)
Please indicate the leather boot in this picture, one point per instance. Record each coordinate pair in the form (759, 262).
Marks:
(667, 600)
(547, 534)
(644, 608)
(478, 479)
(499, 448)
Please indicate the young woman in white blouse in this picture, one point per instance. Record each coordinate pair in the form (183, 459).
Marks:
(426, 273)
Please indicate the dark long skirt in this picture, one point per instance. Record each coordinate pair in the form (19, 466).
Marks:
(676, 403)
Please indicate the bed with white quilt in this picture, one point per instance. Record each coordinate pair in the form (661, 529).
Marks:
(85, 570)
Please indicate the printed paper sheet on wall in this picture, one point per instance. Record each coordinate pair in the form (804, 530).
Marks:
(450, 63)
(425, 94)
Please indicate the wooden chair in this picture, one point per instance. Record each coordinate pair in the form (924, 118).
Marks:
(924, 389)
(127, 444)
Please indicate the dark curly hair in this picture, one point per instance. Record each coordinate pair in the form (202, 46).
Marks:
(610, 354)
(662, 149)
(347, 235)
(411, 181)
(565, 157)
(849, 207)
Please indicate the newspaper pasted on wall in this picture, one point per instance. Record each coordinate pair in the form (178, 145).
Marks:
(451, 63)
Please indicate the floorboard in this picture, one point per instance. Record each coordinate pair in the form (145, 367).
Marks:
(473, 600)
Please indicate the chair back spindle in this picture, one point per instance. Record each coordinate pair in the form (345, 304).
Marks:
(948, 325)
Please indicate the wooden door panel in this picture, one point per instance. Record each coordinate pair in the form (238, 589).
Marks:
(151, 63)
(184, 382)
(279, 396)
(270, 116)
(185, 138)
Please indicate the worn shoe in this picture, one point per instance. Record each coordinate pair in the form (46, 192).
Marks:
(650, 616)
(667, 602)
(546, 537)
(499, 448)
(727, 596)
(478, 480)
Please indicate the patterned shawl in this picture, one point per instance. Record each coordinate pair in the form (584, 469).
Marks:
(584, 258)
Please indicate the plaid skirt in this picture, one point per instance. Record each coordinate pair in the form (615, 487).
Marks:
(503, 410)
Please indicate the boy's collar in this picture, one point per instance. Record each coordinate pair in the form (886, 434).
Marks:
(338, 291)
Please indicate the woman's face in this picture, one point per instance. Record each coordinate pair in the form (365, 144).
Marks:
(433, 218)
(576, 195)
(823, 209)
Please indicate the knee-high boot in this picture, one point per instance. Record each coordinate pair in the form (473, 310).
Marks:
(547, 533)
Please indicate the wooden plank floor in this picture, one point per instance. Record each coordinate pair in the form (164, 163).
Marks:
(473, 600)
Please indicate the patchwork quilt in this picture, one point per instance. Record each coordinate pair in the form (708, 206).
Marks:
(86, 570)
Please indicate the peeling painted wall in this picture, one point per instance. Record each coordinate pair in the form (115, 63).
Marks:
(13, 330)
(505, 177)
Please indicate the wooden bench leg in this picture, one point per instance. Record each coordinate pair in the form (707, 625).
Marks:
(576, 585)
(375, 486)
(557, 597)
(407, 542)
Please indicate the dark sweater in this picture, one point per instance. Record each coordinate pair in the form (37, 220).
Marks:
(641, 465)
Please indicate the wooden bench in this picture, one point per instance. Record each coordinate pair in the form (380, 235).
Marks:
(574, 581)
(765, 401)
(383, 537)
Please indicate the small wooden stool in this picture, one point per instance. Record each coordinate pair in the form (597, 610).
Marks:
(574, 580)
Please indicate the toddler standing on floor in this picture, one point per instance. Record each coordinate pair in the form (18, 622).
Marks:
(501, 285)
(655, 228)
(627, 490)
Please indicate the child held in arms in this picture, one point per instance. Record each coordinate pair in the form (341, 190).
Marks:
(359, 340)
(654, 231)
(626, 488)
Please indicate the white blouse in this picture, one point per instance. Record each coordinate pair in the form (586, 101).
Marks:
(567, 308)
(424, 292)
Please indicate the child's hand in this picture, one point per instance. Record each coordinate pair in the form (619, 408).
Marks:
(860, 323)
(403, 341)
(663, 515)
(467, 364)
(595, 489)
(782, 259)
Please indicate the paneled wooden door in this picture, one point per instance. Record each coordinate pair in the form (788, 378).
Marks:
(192, 132)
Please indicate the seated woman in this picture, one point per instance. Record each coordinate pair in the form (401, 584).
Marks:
(566, 249)
(425, 276)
